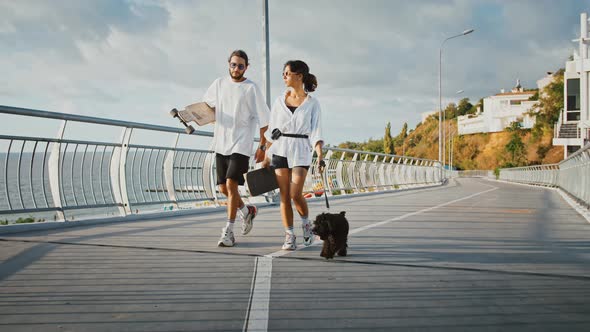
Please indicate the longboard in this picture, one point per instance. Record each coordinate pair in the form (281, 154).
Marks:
(199, 113)
(261, 181)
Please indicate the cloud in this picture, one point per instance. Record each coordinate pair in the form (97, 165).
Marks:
(379, 59)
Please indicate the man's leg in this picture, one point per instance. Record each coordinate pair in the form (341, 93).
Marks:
(227, 238)
(238, 165)
(233, 198)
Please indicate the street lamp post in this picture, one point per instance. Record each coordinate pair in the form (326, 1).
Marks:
(266, 56)
(441, 138)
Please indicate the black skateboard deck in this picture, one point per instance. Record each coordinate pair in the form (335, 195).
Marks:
(261, 181)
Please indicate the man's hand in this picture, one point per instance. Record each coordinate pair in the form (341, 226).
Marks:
(259, 155)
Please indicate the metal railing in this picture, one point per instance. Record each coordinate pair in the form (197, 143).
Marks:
(475, 174)
(62, 179)
(571, 175)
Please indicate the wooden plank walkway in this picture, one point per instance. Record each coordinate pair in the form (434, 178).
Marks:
(471, 255)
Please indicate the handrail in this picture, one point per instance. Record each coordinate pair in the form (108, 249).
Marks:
(571, 175)
(94, 120)
(62, 179)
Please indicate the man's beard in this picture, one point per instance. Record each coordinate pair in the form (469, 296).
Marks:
(236, 77)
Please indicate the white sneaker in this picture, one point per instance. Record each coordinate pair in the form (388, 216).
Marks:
(248, 219)
(307, 235)
(227, 238)
(289, 242)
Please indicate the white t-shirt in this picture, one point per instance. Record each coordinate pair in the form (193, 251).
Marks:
(306, 120)
(239, 106)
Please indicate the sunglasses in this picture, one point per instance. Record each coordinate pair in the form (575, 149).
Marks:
(240, 66)
(289, 74)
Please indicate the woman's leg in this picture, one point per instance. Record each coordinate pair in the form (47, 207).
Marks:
(284, 182)
(297, 181)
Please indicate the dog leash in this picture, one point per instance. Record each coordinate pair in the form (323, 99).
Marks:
(323, 165)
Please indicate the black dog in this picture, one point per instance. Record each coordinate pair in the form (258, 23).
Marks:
(332, 228)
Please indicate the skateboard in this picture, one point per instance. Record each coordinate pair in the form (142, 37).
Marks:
(261, 181)
(199, 113)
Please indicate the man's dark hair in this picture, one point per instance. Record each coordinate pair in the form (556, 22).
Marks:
(238, 53)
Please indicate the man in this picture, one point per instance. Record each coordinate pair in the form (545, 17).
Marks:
(239, 109)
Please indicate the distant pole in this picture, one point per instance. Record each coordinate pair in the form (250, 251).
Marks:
(266, 56)
(441, 137)
(584, 82)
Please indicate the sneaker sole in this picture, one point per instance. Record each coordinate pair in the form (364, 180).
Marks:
(221, 244)
(249, 225)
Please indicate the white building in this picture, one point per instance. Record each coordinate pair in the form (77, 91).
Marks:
(500, 111)
(572, 129)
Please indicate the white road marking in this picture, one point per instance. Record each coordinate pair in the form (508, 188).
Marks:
(257, 315)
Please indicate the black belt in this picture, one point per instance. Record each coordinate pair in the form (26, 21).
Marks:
(295, 135)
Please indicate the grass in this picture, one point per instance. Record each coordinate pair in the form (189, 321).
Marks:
(21, 220)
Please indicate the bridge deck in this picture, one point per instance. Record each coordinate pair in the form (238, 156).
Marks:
(471, 255)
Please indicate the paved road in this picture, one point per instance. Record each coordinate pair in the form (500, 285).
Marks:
(471, 255)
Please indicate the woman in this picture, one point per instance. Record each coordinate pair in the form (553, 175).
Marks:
(294, 132)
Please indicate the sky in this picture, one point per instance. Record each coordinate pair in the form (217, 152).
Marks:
(375, 61)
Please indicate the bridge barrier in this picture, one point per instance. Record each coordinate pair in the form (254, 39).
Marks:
(475, 174)
(143, 168)
(572, 175)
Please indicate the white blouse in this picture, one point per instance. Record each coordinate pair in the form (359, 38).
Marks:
(304, 121)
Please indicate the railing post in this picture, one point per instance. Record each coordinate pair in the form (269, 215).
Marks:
(169, 173)
(363, 172)
(351, 173)
(381, 173)
(209, 178)
(327, 178)
(118, 176)
(339, 175)
(389, 173)
(53, 173)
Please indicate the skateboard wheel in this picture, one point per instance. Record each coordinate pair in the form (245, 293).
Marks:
(174, 112)
(189, 129)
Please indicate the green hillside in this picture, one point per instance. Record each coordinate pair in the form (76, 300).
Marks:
(512, 147)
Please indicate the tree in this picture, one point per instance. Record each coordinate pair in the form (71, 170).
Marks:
(546, 112)
(387, 140)
(464, 106)
(450, 111)
(473, 109)
(515, 146)
(398, 140)
(373, 145)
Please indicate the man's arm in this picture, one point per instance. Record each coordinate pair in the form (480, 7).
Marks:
(260, 151)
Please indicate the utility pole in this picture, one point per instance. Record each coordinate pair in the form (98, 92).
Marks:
(266, 53)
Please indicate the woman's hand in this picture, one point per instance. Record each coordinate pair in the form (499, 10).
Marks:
(266, 162)
(321, 165)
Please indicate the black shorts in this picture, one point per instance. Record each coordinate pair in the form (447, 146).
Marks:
(281, 162)
(231, 167)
